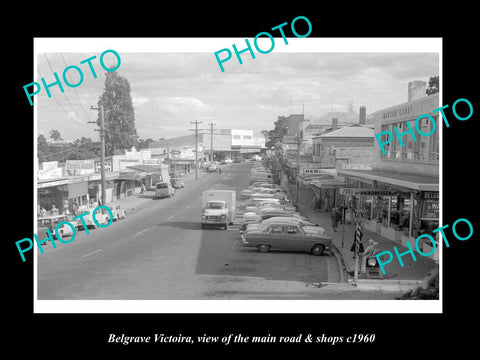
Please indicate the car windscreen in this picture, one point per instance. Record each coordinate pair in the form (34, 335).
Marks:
(162, 186)
(214, 205)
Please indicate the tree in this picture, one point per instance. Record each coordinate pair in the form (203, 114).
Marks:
(55, 135)
(119, 115)
(279, 131)
(143, 144)
(433, 85)
(43, 149)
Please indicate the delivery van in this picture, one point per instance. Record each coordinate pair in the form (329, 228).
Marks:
(163, 189)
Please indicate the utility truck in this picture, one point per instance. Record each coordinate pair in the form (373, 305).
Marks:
(218, 208)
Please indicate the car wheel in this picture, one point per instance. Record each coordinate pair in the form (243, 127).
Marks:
(203, 226)
(263, 248)
(317, 249)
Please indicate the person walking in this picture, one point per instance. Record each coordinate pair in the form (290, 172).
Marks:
(370, 251)
(334, 217)
(220, 170)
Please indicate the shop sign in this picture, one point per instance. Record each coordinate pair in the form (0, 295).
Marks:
(151, 161)
(347, 190)
(429, 195)
(431, 210)
(50, 173)
(312, 171)
(79, 165)
(98, 166)
(364, 191)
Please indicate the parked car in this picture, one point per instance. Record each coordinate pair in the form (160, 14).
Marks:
(102, 218)
(292, 237)
(286, 220)
(212, 168)
(51, 222)
(177, 183)
(117, 211)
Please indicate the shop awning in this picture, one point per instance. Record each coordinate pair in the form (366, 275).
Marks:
(409, 181)
(328, 183)
(131, 174)
(148, 169)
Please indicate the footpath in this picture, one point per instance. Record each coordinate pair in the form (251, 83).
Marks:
(396, 278)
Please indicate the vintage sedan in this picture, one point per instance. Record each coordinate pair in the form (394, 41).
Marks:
(262, 224)
(117, 211)
(290, 237)
(51, 222)
(177, 183)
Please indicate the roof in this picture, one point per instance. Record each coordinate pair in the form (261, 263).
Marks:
(354, 130)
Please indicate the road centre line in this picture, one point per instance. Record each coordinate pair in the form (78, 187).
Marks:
(91, 253)
(188, 206)
(141, 232)
(171, 217)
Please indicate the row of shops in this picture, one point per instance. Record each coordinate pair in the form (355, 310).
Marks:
(67, 193)
(400, 207)
(397, 197)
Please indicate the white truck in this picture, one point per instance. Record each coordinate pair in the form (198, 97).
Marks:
(218, 208)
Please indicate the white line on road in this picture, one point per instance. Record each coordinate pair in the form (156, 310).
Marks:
(171, 217)
(140, 232)
(188, 206)
(93, 252)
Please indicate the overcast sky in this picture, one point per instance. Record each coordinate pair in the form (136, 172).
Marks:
(169, 90)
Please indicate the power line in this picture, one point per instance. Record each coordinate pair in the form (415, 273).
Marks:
(63, 92)
(65, 111)
(75, 147)
(75, 89)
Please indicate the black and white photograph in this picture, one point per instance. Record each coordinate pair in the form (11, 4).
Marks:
(264, 181)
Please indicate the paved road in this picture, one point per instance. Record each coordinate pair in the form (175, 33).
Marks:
(161, 252)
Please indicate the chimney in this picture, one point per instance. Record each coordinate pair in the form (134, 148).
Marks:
(416, 89)
(334, 124)
(363, 115)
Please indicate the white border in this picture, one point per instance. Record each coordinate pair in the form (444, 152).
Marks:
(210, 45)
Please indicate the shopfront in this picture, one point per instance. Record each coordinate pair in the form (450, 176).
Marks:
(398, 206)
(327, 192)
(51, 195)
(128, 182)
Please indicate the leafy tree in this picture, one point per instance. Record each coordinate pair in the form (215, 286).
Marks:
(143, 144)
(433, 85)
(279, 131)
(119, 115)
(55, 135)
(43, 149)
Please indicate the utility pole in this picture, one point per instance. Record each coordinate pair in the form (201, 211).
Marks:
(102, 152)
(299, 142)
(211, 141)
(196, 122)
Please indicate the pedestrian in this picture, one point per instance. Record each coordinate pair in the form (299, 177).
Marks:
(43, 212)
(220, 170)
(334, 217)
(54, 210)
(369, 252)
(75, 207)
(143, 188)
